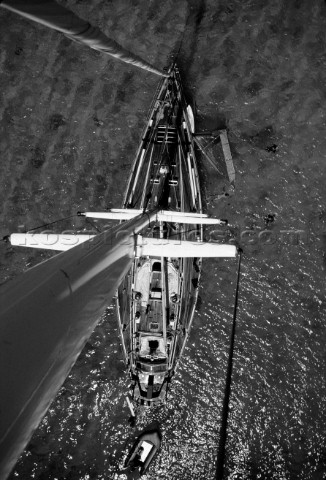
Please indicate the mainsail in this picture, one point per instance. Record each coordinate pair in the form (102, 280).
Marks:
(46, 317)
(53, 15)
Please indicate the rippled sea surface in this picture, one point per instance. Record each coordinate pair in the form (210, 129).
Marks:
(71, 121)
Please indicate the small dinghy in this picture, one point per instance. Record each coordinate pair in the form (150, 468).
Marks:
(142, 453)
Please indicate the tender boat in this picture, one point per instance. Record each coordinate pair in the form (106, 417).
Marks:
(143, 452)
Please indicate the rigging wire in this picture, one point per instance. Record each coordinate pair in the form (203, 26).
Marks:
(225, 409)
(92, 224)
(51, 223)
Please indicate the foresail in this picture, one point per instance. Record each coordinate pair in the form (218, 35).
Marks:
(46, 316)
(53, 15)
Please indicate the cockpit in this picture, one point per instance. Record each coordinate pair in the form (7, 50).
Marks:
(152, 348)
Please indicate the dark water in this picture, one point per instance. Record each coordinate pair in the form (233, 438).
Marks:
(71, 122)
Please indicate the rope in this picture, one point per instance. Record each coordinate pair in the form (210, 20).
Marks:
(51, 223)
(93, 224)
(227, 391)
